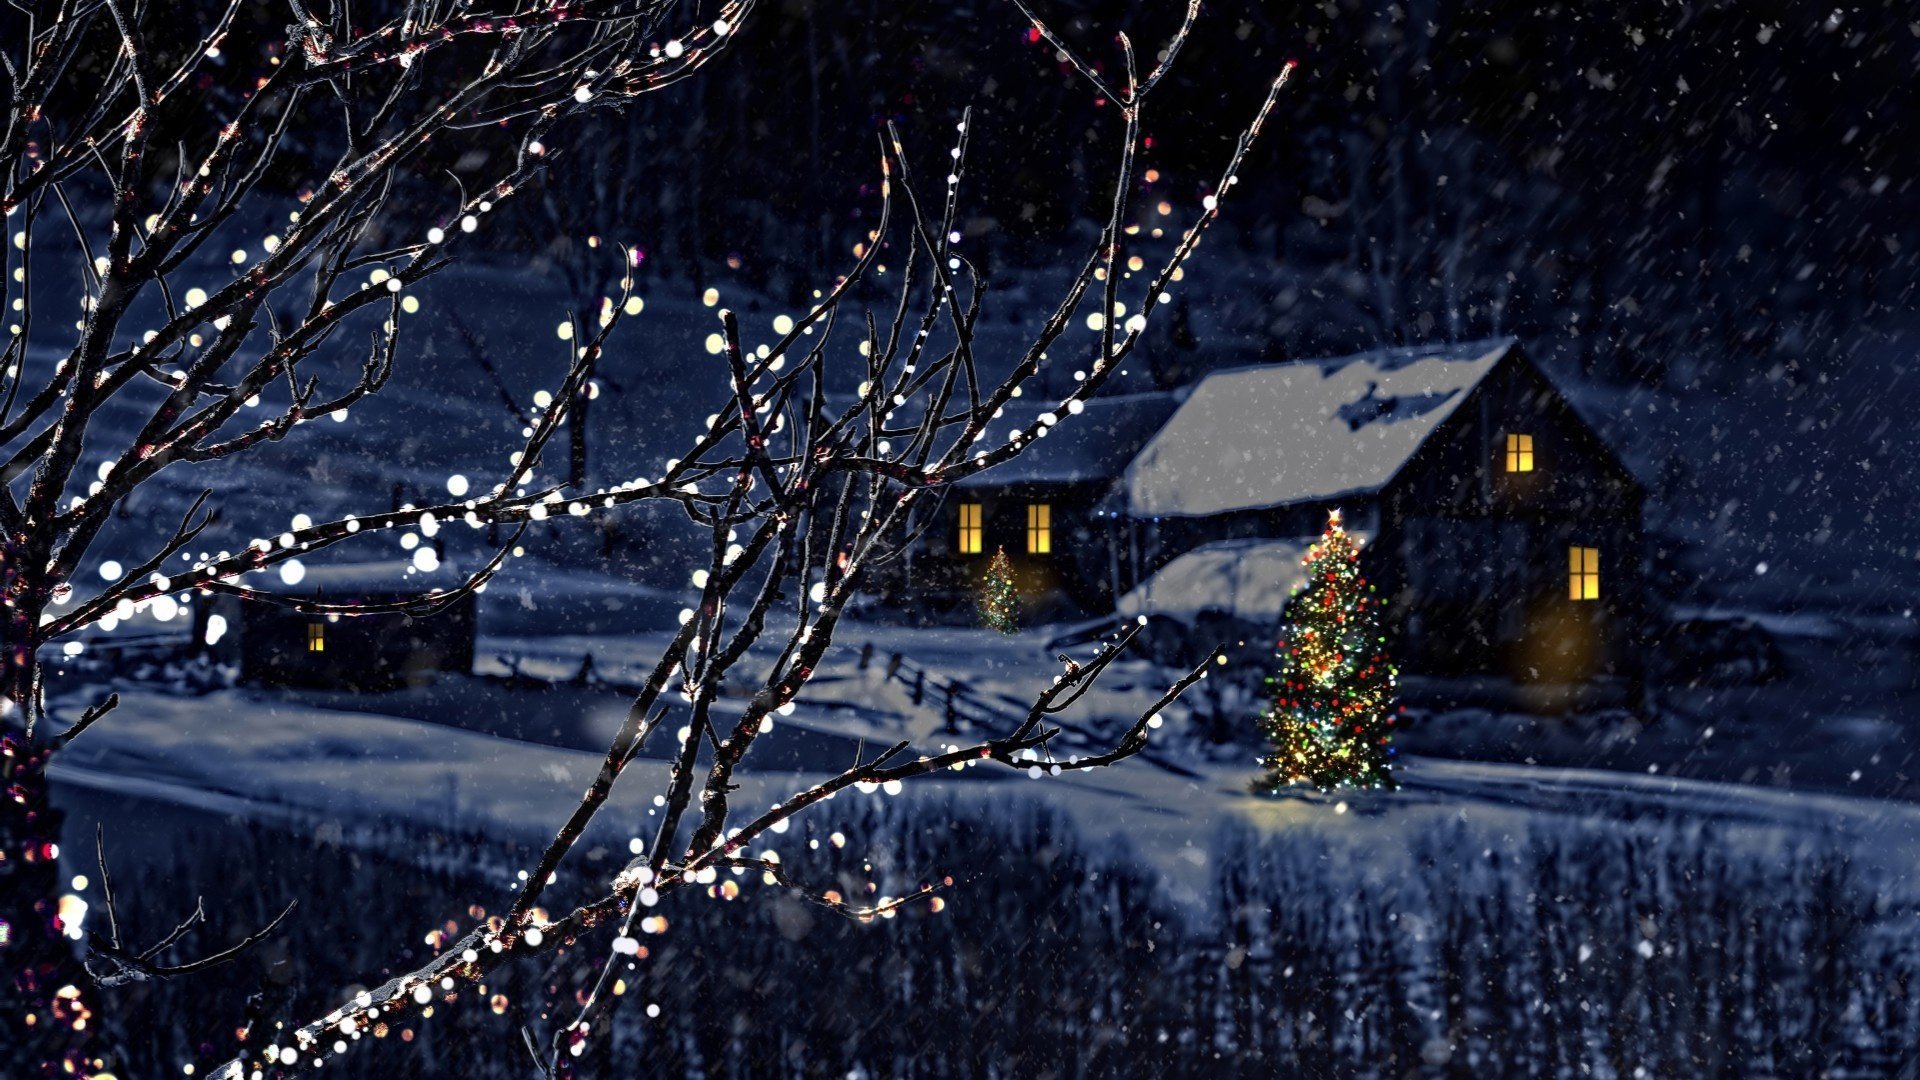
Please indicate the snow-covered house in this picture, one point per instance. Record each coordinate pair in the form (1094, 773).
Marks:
(1505, 533)
(1039, 508)
(281, 646)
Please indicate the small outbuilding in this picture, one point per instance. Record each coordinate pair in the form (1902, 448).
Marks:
(278, 645)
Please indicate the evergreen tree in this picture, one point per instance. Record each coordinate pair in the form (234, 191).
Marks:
(1331, 717)
(999, 601)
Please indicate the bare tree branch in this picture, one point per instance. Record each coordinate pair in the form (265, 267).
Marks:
(801, 497)
(112, 964)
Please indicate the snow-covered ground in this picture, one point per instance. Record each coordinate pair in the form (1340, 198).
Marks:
(509, 758)
(1630, 883)
(1805, 534)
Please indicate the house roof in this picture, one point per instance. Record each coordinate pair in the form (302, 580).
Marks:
(386, 579)
(1255, 437)
(1095, 445)
(1248, 579)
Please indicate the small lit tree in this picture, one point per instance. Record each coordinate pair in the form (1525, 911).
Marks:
(999, 600)
(1331, 717)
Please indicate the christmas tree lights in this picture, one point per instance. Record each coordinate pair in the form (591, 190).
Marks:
(1331, 716)
(999, 602)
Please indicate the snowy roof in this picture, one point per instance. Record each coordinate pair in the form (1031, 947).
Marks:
(1248, 579)
(1255, 437)
(386, 577)
(1094, 445)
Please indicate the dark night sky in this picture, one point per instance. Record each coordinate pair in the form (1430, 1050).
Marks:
(1732, 178)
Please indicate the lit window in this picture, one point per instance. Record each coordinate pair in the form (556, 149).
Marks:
(1039, 529)
(316, 637)
(1583, 573)
(1519, 453)
(970, 528)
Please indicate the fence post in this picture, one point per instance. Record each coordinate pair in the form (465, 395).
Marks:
(866, 655)
(919, 686)
(953, 698)
(893, 666)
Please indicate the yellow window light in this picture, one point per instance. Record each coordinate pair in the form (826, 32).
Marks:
(1583, 573)
(1039, 529)
(972, 530)
(1519, 453)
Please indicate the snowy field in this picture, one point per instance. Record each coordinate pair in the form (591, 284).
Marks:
(278, 758)
(1153, 916)
(507, 751)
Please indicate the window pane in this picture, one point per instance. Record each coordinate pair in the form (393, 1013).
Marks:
(1583, 573)
(1519, 453)
(970, 528)
(1040, 529)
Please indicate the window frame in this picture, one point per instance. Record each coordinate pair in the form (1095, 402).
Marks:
(1039, 528)
(1583, 573)
(316, 637)
(1520, 453)
(972, 527)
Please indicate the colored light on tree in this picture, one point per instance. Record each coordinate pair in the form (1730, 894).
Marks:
(999, 600)
(1331, 716)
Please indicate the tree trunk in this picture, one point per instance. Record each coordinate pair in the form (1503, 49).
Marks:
(46, 1019)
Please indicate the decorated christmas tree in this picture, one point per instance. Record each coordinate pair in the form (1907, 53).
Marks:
(999, 602)
(1331, 716)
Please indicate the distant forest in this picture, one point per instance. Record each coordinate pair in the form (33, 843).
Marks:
(1659, 186)
(1649, 180)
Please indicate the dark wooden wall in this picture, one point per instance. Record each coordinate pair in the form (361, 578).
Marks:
(369, 652)
(1472, 558)
(1475, 559)
(1075, 578)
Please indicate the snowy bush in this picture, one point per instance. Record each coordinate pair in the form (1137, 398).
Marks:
(1576, 951)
